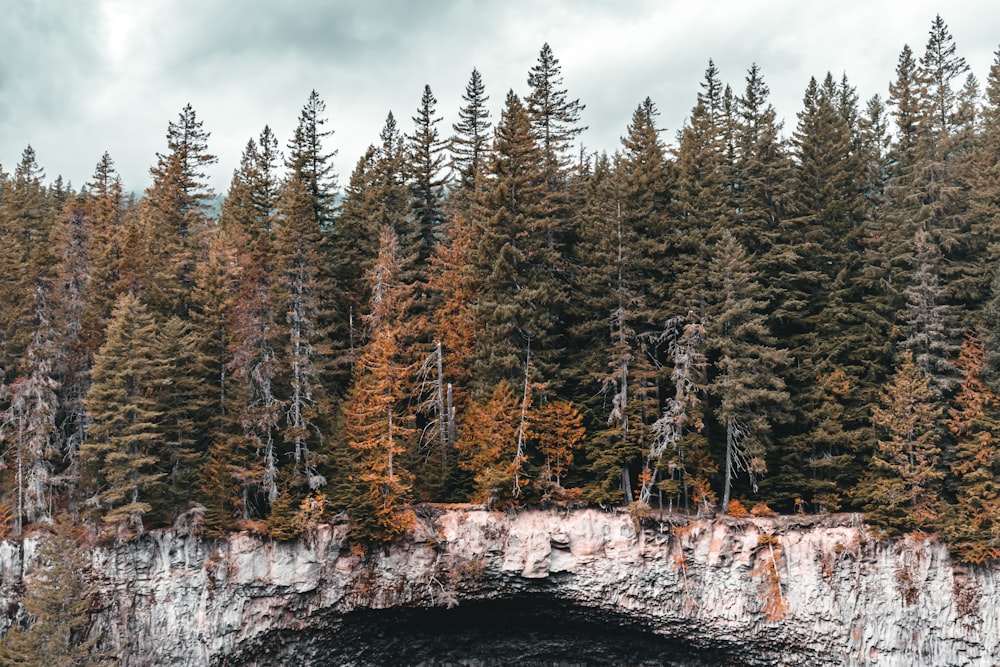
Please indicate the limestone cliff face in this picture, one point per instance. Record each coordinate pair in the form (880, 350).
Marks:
(740, 591)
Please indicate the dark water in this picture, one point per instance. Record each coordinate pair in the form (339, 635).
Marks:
(532, 632)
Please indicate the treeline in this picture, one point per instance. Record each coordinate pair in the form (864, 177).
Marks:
(806, 318)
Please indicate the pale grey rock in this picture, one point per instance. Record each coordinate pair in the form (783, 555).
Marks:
(756, 591)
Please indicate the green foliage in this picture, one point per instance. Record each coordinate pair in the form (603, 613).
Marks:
(120, 459)
(660, 324)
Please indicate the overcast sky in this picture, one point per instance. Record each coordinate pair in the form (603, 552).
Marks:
(78, 77)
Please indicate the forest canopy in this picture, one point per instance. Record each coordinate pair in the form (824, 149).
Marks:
(804, 316)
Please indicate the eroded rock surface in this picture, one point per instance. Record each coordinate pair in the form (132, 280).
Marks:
(474, 587)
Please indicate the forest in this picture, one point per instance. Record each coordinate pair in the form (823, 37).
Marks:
(748, 318)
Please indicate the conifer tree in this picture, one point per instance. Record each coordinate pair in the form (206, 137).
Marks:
(470, 143)
(299, 295)
(426, 162)
(181, 397)
(120, 458)
(105, 208)
(27, 221)
(973, 525)
(28, 431)
(761, 172)
(308, 161)
(825, 213)
(254, 191)
(173, 213)
(488, 445)
(901, 489)
(310, 166)
(927, 321)
(249, 464)
(679, 462)
(983, 172)
(623, 246)
(240, 474)
(554, 118)
(216, 288)
(745, 382)
(554, 124)
(355, 238)
(556, 431)
(520, 299)
(76, 329)
(379, 431)
(704, 201)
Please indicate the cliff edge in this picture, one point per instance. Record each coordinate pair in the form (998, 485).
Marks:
(754, 591)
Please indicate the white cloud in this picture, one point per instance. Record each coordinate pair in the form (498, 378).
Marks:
(83, 77)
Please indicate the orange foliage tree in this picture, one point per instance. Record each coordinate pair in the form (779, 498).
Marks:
(973, 525)
(379, 431)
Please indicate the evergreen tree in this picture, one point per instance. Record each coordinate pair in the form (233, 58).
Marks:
(308, 162)
(901, 490)
(216, 288)
(355, 240)
(378, 430)
(761, 173)
(254, 191)
(105, 208)
(174, 213)
(248, 465)
(426, 162)
(28, 432)
(312, 169)
(927, 321)
(825, 209)
(488, 445)
(554, 118)
(973, 525)
(470, 143)
(27, 222)
(76, 329)
(519, 299)
(240, 474)
(623, 248)
(299, 295)
(679, 457)
(745, 382)
(704, 202)
(120, 457)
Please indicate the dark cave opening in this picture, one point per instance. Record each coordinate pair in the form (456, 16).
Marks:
(531, 630)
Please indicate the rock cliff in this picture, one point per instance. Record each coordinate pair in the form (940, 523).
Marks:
(583, 587)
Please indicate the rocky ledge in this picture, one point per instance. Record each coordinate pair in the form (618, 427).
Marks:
(474, 587)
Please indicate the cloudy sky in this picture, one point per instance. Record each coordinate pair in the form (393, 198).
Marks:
(78, 77)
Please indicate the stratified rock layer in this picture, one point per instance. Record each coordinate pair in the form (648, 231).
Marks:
(760, 591)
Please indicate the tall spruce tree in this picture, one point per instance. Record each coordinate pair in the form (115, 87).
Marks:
(470, 143)
(426, 163)
(824, 214)
(519, 300)
(174, 212)
(704, 200)
(972, 525)
(380, 427)
(745, 381)
(120, 460)
(299, 295)
(901, 490)
(554, 118)
(308, 161)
